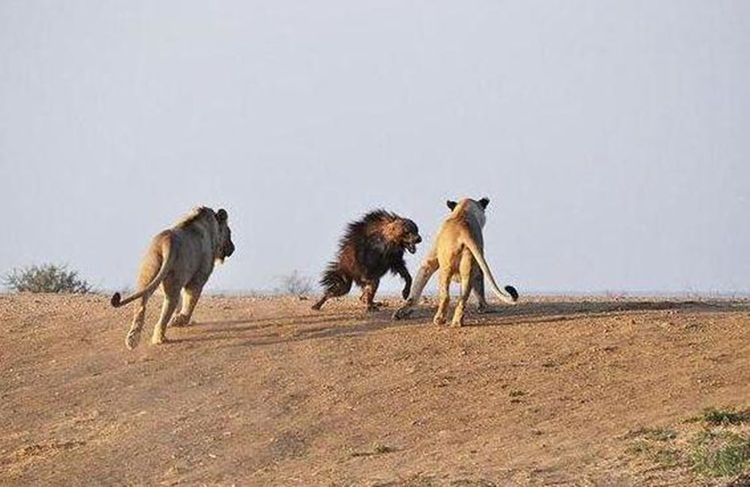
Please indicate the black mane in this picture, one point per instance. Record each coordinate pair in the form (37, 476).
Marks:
(358, 233)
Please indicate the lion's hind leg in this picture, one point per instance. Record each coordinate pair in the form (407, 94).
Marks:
(336, 284)
(477, 288)
(139, 316)
(465, 272)
(171, 298)
(445, 287)
(148, 271)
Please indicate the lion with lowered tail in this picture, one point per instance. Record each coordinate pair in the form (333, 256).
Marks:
(179, 259)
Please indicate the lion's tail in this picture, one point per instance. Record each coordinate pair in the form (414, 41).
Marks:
(334, 281)
(509, 293)
(167, 260)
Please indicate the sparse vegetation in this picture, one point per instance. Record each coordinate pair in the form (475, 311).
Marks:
(377, 449)
(295, 284)
(46, 278)
(720, 453)
(663, 455)
(653, 434)
(723, 417)
(721, 449)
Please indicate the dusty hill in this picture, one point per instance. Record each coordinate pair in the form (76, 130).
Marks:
(267, 392)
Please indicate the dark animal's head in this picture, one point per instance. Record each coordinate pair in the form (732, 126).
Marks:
(473, 207)
(403, 233)
(225, 246)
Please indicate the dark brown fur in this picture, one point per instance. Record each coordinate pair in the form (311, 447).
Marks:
(370, 247)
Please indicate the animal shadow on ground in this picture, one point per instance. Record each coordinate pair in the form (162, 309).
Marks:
(545, 311)
(289, 328)
(293, 328)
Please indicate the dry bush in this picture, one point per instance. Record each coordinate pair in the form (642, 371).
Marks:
(295, 284)
(46, 278)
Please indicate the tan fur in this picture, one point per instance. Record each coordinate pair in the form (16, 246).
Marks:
(458, 251)
(180, 259)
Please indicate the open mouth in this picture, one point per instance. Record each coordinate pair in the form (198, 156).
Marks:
(412, 248)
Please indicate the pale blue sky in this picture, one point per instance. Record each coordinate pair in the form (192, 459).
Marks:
(612, 137)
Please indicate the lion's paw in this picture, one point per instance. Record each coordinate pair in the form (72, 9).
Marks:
(159, 340)
(179, 320)
(131, 341)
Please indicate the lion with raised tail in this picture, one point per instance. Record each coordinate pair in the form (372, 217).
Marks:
(458, 252)
(179, 259)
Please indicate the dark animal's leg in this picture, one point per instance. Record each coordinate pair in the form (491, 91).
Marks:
(337, 285)
(400, 269)
(371, 287)
(320, 302)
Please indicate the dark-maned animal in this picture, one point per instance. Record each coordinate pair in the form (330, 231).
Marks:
(179, 259)
(370, 247)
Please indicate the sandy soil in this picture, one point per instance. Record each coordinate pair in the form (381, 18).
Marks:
(264, 391)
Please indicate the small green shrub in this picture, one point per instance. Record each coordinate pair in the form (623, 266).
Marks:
(720, 454)
(720, 449)
(653, 434)
(46, 278)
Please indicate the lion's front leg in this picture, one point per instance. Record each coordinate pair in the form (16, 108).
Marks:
(427, 269)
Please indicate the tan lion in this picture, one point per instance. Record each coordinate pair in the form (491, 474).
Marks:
(458, 252)
(179, 259)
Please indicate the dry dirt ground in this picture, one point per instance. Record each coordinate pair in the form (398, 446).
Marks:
(264, 391)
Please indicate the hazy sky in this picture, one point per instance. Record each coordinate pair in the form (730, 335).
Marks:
(612, 137)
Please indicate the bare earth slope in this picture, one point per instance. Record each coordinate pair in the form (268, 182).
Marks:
(264, 391)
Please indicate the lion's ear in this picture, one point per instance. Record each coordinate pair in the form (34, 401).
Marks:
(484, 202)
(221, 215)
(451, 204)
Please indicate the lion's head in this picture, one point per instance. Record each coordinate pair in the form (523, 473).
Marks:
(225, 246)
(473, 207)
